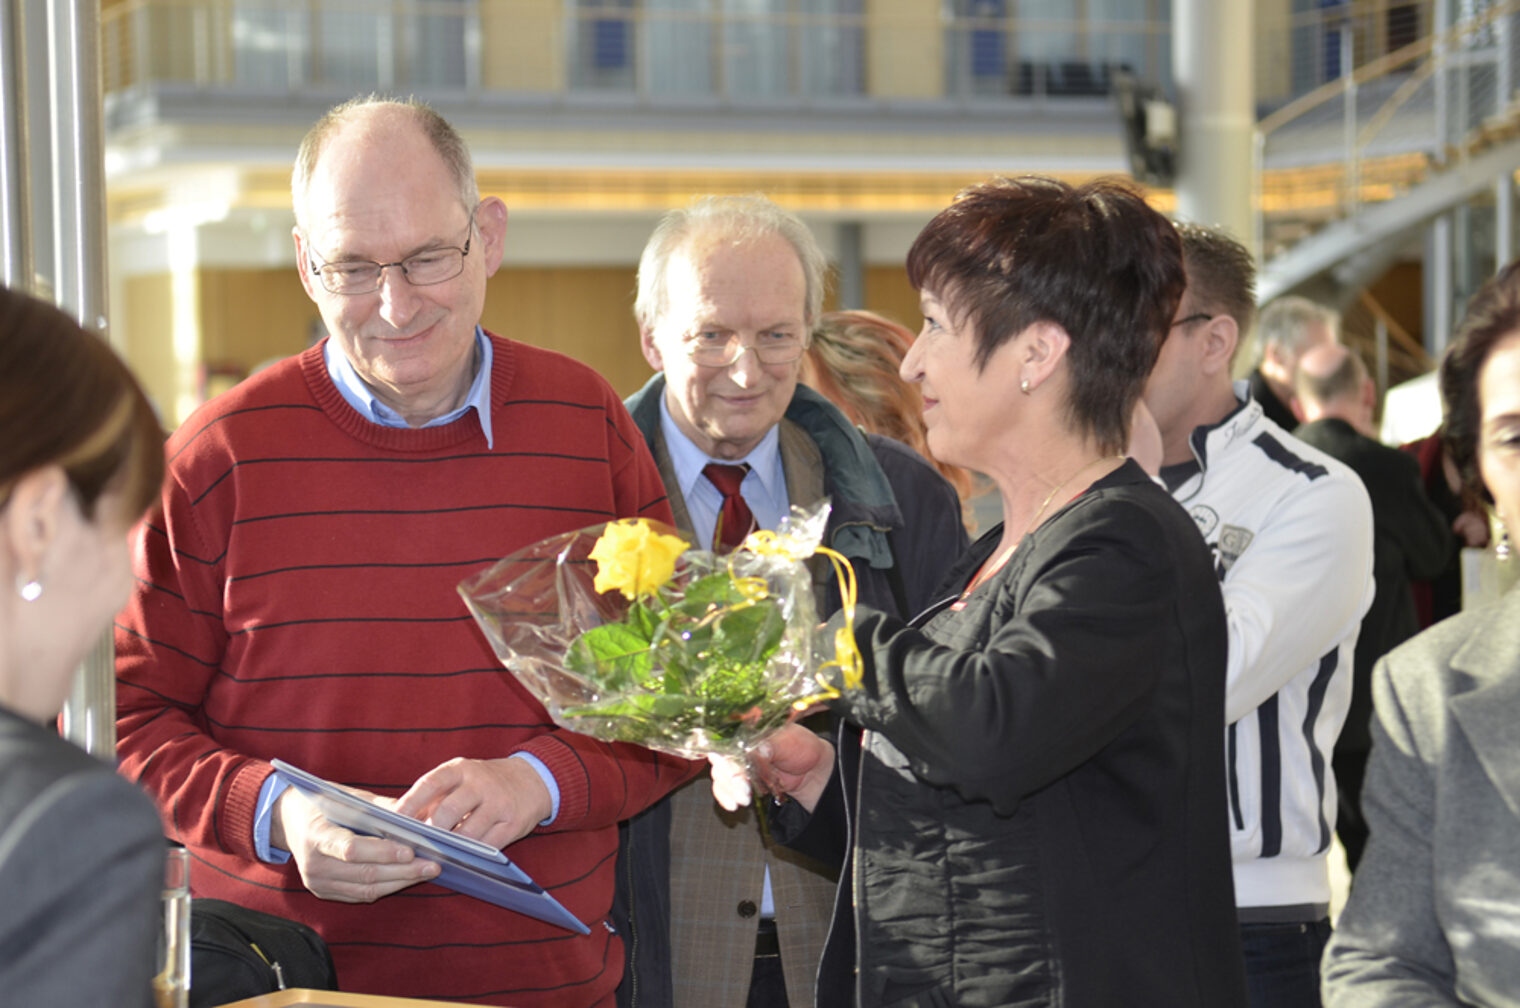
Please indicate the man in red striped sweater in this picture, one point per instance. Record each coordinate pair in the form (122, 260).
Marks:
(296, 595)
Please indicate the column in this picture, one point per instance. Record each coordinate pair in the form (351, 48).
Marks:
(1213, 60)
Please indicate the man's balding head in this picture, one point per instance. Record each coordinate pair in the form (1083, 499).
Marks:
(1288, 328)
(1332, 381)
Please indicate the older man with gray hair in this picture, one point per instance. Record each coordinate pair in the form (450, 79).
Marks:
(729, 289)
(296, 595)
(1288, 328)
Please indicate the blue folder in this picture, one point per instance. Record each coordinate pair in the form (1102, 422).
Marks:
(464, 865)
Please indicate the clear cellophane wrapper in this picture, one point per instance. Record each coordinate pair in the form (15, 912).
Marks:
(712, 660)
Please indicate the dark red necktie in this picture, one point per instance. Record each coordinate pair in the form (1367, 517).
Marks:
(735, 520)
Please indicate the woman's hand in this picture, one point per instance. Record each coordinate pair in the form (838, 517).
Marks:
(794, 762)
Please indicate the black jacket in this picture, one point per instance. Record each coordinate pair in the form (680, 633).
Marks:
(1411, 540)
(1276, 410)
(1036, 809)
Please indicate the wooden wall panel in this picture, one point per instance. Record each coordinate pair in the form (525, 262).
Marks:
(889, 293)
(586, 313)
(147, 339)
(249, 317)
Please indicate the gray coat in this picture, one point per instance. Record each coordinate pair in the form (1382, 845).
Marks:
(81, 867)
(1434, 912)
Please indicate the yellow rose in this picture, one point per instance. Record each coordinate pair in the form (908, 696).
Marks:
(633, 558)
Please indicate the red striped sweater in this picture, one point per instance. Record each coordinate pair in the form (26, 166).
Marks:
(297, 599)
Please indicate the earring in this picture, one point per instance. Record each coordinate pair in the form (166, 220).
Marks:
(1502, 548)
(1024, 385)
(30, 591)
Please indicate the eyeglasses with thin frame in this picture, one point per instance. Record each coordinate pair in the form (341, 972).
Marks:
(1195, 317)
(422, 269)
(720, 349)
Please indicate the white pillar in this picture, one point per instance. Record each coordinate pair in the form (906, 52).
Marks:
(1439, 297)
(1215, 78)
(1504, 186)
(850, 267)
(1504, 220)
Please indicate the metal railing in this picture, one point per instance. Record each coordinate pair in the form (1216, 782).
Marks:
(649, 51)
(1388, 124)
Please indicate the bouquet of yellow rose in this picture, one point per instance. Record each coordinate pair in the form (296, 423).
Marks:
(626, 632)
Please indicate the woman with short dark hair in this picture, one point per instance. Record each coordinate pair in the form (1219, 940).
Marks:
(1035, 782)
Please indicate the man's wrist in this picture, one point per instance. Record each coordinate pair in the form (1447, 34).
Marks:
(269, 842)
(551, 786)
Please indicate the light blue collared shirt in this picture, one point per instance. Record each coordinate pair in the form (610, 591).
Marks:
(764, 486)
(360, 397)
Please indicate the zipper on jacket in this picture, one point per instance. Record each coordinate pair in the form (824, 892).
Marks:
(854, 848)
(1240, 819)
(631, 939)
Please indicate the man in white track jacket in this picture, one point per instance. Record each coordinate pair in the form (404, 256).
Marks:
(1291, 533)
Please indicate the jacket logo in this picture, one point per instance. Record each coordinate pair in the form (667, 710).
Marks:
(1206, 518)
(1233, 541)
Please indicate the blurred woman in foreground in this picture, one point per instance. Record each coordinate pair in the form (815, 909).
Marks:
(1040, 780)
(1434, 912)
(81, 849)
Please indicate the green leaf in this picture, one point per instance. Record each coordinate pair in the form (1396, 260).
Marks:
(642, 706)
(642, 620)
(733, 688)
(750, 633)
(689, 660)
(615, 655)
(715, 591)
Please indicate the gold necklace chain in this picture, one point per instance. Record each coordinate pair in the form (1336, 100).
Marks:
(989, 570)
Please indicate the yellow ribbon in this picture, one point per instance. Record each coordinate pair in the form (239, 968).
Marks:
(847, 658)
(846, 653)
(767, 542)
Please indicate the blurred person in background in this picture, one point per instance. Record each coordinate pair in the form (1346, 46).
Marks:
(854, 359)
(1440, 596)
(1431, 918)
(81, 849)
(1336, 399)
(1287, 328)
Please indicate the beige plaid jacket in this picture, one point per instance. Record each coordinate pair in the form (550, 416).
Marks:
(718, 859)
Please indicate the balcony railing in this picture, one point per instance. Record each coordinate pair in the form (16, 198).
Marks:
(1390, 123)
(657, 51)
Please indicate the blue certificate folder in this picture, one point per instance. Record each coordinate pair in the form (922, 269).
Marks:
(464, 865)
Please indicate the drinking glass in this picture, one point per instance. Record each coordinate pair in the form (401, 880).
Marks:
(171, 985)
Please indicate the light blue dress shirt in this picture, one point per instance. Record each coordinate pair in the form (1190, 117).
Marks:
(764, 486)
(360, 397)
